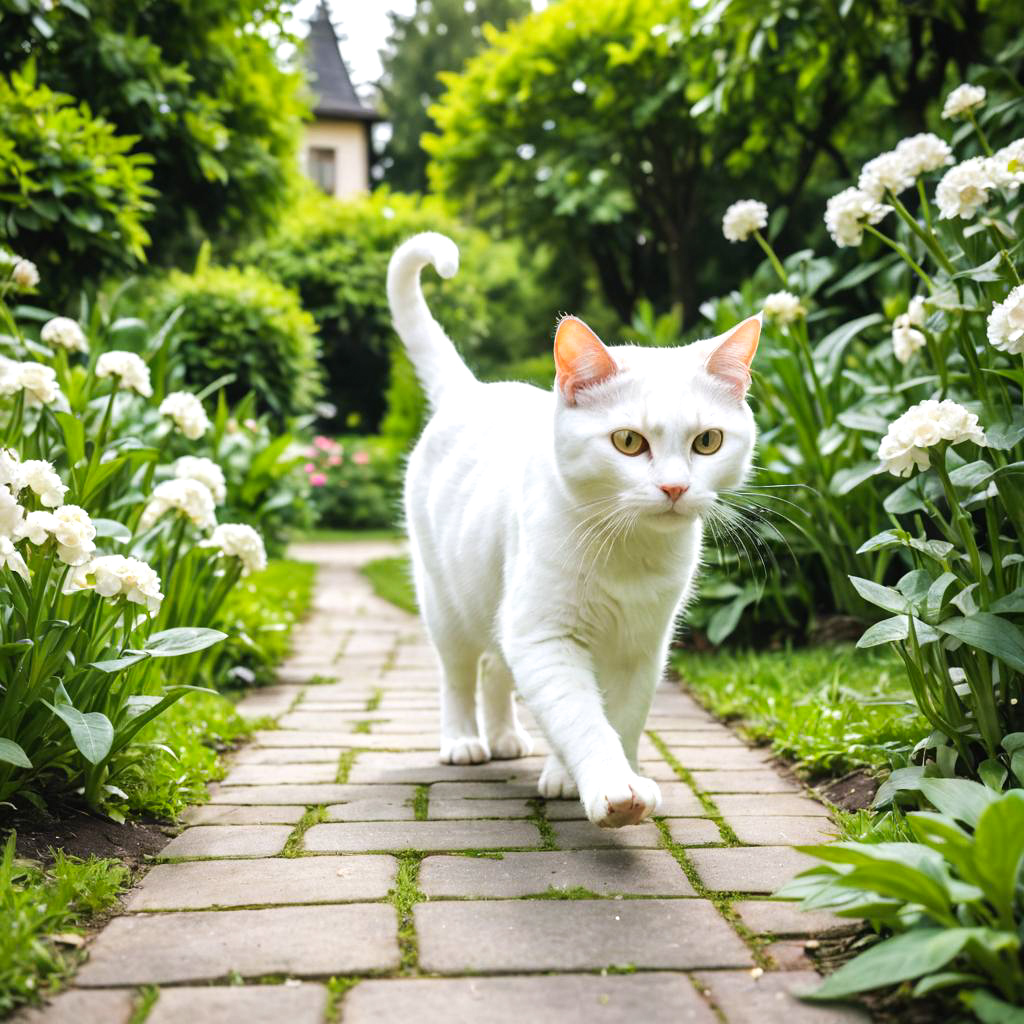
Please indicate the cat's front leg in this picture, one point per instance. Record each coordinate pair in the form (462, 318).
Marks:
(555, 676)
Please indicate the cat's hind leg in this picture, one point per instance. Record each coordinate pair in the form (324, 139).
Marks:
(505, 736)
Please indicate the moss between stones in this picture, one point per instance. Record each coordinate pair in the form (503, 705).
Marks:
(315, 814)
(404, 896)
(539, 817)
(421, 802)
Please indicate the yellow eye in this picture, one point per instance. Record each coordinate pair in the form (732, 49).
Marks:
(708, 443)
(629, 442)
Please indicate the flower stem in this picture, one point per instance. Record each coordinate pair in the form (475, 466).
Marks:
(772, 258)
(903, 253)
(981, 135)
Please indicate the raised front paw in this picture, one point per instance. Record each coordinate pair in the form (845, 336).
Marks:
(510, 744)
(621, 799)
(555, 782)
(464, 750)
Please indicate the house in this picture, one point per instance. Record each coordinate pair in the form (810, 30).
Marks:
(336, 143)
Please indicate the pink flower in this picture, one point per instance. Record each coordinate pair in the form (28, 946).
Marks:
(323, 443)
(335, 460)
(361, 458)
(311, 452)
(318, 479)
(309, 467)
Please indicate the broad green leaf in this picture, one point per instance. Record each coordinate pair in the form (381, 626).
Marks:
(935, 599)
(126, 660)
(947, 838)
(896, 629)
(989, 1009)
(971, 476)
(172, 643)
(1009, 604)
(946, 979)
(1012, 741)
(999, 850)
(114, 530)
(847, 479)
(12, 753)
(884, 597)
(990, 633)
(900, 781)
(993, 773)
(74, 436)
(957, 798)
(92, 732)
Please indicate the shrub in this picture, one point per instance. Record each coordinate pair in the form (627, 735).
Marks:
(75, 197)
(241, 322)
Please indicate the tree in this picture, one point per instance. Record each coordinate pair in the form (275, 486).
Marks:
(199, 86)
(617, 131)
(440, 35)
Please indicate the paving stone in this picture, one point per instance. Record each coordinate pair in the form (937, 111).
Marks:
(206, 945)
(546, 935)
(77, 1006)
(298, 740)
(789, 955)
(766, 804)
(485, 791)
(581, 835)
(746, 1000)
(305, 795)
(748, 869)
(198, 885)
(421, 835)
(280, 774)
(765, 781)
(452, 809)
(425, 767)
(606, 872)
(660, 723)
(228, 841)
(717, 736)
(791, 830)
(712, 758)
(229, 1004)
(677, 801)
(288, 755)
(372, 810)
(329, 721)
(665, 998)
(225, 814)
(694, 831)
(777, 917)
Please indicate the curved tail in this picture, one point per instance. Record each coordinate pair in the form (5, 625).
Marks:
(437, 364)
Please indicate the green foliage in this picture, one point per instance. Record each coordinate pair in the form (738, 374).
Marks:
(439, 35)
(198, 85)
(391, 579)
(335, 255)
(832, 709)
(404, 400)
(949, 904)
(74, 195)
(239, 321)
(40, 906)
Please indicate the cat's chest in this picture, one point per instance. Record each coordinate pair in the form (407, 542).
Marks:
(624, 614)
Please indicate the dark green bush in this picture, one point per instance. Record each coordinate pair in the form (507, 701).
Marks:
(239, 321)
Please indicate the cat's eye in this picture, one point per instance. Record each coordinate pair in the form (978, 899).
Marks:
(708, 443)
(629, 442)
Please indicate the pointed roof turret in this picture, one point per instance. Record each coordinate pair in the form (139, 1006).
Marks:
(335, 98)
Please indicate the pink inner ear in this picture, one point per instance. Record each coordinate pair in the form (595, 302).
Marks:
(731, 360)
(581, 359)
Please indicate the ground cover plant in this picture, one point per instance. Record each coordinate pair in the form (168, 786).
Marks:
(391, 579)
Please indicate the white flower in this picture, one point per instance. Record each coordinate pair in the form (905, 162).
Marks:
(743, 218)
(118, 576)
(893, 171)
(38, 381)
(907, 442)
(12, 515)
(189, 497)
(906, 338)
(1006, 323)
(39, 475)
(25, 274)
(187, 412)
(10, 558)
(70, 526)
(10, 469)
(783, 307)
(848, 212)
(128, 368)
(964, 188)
(66, 333)
(242, 542)
(1006, 165)
(962, 99)
(924, 152)
(206, 471)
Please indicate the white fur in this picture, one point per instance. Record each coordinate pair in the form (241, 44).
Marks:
(548, 562)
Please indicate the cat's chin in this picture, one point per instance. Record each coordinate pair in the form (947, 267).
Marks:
(672, 520)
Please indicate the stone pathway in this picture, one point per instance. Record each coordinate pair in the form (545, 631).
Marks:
(340, 873)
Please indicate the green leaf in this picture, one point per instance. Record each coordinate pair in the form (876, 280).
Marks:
(12, 753)
(890, 631)
(989, 1009)
(847, 479)
(114, 530)
(885, 597)
(128, 659)
(172, 643)
(74, 436)
(999, 850)
(991, 634)
(92, 732)
(1010, 604)
(961, 799)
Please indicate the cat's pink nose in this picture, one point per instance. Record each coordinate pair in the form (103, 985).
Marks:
(674, 492)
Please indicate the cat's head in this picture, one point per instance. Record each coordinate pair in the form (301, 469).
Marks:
(655, 432)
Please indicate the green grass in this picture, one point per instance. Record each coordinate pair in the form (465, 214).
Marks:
(40, 906)
(391, 579)
(833, 709)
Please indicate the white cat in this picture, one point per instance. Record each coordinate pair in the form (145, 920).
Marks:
(556, 534)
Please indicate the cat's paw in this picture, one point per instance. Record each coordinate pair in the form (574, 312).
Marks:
(556, 783)
(622, 799)
(510, 744)
(464, 750)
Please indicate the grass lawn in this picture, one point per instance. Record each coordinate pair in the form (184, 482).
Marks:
(391, 578)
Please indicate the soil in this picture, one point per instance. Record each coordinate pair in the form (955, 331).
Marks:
(852, 792)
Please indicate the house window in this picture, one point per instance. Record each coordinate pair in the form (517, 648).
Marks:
(321, 167)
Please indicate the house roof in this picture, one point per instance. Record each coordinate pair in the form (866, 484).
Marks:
(335, 98)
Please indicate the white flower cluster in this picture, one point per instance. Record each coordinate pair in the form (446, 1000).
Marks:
(964, 189)
(38, 381)
(242, 542)
(743, 218)
(39, 476)
(906, 337)
(70, 526)
(129, 369)
(187, 412)
(926, 424)
(121, 576)
(188, 497)
(206, 471)
(1006, 166)
(66, 333)
(783, 308)
(1006, 323)
(848, 212)
(898, 169)
(962, 99)
(24, 273)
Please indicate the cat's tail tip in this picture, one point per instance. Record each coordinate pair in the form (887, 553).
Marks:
(429, 247)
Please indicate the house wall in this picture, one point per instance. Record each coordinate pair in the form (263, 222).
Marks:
(348, 139)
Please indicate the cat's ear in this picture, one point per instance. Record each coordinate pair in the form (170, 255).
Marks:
(731, 358)
(581, 358)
